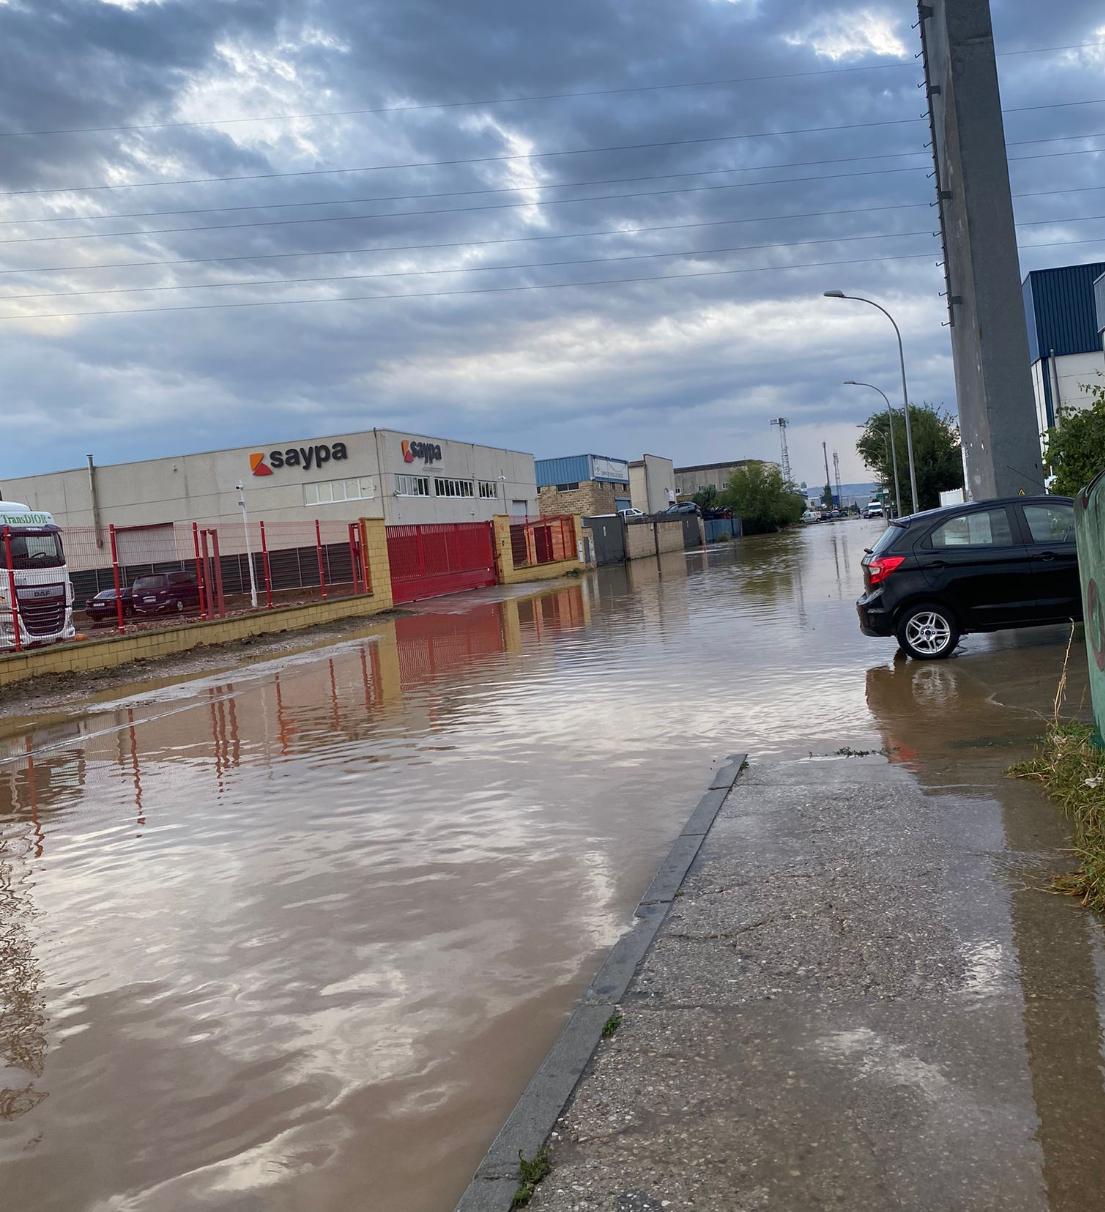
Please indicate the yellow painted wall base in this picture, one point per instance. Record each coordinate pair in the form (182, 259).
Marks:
(146, 645)
(539, 572)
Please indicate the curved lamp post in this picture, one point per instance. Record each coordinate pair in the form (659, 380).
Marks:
(893, 444)
(839, 294)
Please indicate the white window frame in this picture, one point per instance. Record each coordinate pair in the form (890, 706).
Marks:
(412, 486)
(489, 490)
(448, 487)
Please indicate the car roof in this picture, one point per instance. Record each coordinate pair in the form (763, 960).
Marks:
(973, 506)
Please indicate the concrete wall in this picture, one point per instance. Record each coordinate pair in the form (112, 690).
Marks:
(200, 487)
(1070, 375)
(669, 536)
(652, 484)
(643, 539)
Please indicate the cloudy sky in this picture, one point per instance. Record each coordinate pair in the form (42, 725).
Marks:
(446, 184)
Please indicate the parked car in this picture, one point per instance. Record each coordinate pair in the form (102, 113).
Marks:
(992, 565)
(682, 507)
(101, 608)
(811, 515)
(874, 509)
(631, 513)
(165, 591)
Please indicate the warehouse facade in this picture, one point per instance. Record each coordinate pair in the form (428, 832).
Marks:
(403, 478)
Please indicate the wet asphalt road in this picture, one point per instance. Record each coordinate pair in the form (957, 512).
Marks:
(283, 936)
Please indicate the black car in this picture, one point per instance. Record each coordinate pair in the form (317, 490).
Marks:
(101, 608)
(165, 591)
(934, 576)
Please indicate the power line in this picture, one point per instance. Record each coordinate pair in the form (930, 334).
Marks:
(401, 214)
(595, 92)
(380, 248)
(459, 269)
(375, 168)
(443, 294)
(463, 210)
(515, 189)
(510, 189)
(404, 273)
(534, 155)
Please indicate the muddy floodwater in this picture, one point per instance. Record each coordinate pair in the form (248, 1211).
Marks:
(295, 936)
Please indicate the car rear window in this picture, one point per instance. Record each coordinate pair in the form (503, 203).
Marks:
(150, 583)
(887, 539)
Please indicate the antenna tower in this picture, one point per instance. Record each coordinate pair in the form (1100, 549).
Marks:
(836, 473)
(782, 423)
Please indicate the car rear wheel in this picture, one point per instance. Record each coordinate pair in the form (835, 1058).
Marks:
(180, 605)
(928, 632)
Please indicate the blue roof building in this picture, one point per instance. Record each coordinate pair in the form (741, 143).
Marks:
(1065, 324)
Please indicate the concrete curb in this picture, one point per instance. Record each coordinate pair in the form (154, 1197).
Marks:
(528, 1126)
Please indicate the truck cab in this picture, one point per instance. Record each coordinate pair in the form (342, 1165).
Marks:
(36, 596)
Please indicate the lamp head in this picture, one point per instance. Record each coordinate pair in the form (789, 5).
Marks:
(852, 383)
(835, 294)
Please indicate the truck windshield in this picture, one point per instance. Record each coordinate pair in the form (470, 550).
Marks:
(35, 551)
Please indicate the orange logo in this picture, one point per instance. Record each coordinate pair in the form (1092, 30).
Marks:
(408, 456)
(258, 465)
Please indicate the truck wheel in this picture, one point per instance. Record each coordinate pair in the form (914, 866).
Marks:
(928, 632)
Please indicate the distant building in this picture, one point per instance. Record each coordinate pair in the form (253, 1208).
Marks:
(652, 484)
(587, 484)
(1065, 337)
(689, 480)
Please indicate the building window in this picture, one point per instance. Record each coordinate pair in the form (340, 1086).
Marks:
(567, 487)
(453, 488)
(329, 492)
(412, 486)
(489, 490)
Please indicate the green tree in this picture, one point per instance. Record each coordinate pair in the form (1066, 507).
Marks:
(1076, 449)
(827, 496)
(707, 498)
(936, 453)
(762, 499)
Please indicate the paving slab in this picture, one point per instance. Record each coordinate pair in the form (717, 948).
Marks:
(860, 998)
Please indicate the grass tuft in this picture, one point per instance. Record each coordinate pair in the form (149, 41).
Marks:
(612, 1024)
(1071, 768)
(530, 1173)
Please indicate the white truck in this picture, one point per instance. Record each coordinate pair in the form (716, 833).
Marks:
(36, 596)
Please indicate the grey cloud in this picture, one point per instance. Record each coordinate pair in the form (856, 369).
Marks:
(522, 368)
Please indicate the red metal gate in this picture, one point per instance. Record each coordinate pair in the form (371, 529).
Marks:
(427, 561)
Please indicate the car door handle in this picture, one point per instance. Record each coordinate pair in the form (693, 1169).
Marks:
(1046, 555)
(933, 564)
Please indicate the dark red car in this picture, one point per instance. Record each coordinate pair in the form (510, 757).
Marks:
(165, 592)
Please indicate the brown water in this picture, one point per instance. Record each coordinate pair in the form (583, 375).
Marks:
(295, 937)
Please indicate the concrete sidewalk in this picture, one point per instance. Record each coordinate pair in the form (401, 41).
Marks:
(860, 1000)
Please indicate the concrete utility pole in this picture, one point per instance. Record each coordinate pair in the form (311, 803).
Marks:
(836, 472)
(828, 481)
(997, 413)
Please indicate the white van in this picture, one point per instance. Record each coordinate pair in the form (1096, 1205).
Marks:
(32, 561)
(874, 509)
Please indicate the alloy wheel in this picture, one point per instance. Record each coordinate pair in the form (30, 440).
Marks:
(928, 632)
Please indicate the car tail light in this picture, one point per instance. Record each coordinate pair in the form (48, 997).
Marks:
(881, 567)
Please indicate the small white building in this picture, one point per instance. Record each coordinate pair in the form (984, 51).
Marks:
(651, 483)
(378, 473)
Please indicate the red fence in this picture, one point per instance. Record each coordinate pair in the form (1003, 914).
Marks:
(175, 569)
(427, 561)
(546, 541)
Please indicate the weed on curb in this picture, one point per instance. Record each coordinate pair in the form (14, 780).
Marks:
(612, 1024)
(530, 1173)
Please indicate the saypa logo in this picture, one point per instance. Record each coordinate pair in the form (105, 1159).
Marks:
(408, 454)
(258, 465)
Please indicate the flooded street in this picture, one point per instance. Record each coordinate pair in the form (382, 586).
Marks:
(295, 936)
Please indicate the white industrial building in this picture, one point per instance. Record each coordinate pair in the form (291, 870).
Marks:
(404, 478)
(1064, 340)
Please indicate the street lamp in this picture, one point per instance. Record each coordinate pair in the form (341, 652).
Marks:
(249, 550)
(893, 444)
(839, 294)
